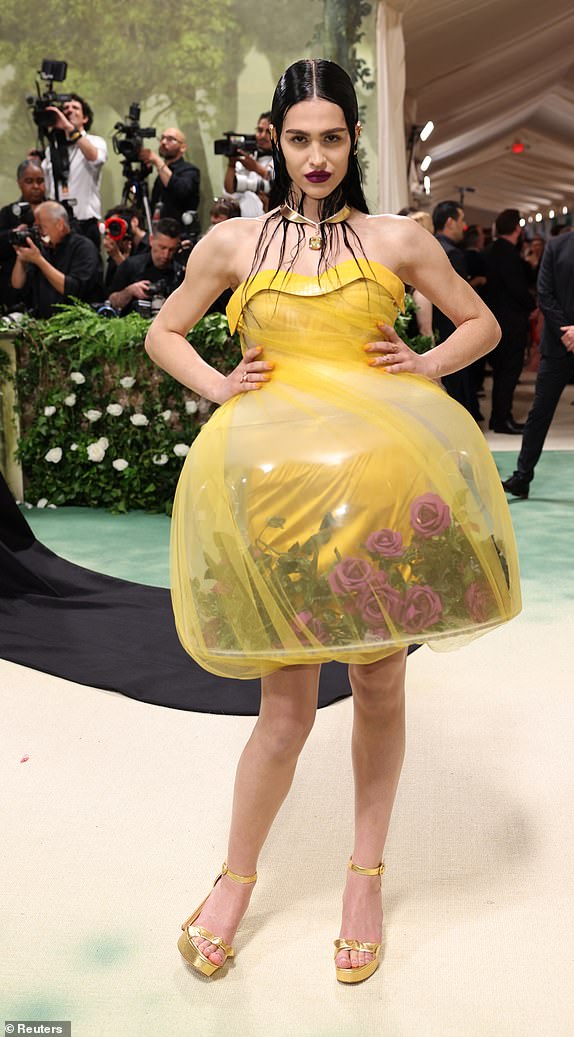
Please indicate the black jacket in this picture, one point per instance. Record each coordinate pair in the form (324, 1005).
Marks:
(507, 291)
(78, 259)
(181, 193)
(556, 292)
(442, 326)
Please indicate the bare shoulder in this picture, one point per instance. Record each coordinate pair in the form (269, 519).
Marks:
(395, 241)
(228, 248)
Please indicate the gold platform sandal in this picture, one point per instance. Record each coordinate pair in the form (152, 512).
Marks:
(189, 951)
(362, 972)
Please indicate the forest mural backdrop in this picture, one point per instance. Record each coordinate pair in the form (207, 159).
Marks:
(203, 67)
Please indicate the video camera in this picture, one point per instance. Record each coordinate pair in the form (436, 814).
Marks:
(51, 71)
(232, 143)
(129, 135)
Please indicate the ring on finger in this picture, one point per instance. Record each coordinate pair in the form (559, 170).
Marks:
(244, 376)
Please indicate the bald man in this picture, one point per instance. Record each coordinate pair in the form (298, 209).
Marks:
(176, 188)
(66, 263)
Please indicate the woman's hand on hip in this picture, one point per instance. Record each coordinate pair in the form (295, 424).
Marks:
(251, 373)
(393, 354)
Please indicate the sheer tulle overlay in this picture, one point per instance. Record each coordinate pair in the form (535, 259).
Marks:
(340, 512)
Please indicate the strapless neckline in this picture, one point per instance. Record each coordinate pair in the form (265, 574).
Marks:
(329, 280)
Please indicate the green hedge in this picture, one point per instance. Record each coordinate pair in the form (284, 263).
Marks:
(75, 372)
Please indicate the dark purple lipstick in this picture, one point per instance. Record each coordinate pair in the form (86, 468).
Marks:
(317, 178)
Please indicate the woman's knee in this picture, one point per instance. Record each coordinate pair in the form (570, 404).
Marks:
(379, 687)
(288, 710)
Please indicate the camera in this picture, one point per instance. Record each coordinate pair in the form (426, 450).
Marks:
(51, 71)
(251, 181)
(20, 237)
(232, 143)
(129, 135)
(24, 212)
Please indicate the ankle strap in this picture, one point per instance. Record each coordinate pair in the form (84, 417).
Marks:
(366, 871)
(237, 878)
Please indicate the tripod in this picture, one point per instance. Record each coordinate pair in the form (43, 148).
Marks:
(135, 192)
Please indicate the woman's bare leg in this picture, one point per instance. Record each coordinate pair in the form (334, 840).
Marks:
(378, 747)
(263, 779)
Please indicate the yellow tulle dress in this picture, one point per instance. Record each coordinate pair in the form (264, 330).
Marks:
(340, 512)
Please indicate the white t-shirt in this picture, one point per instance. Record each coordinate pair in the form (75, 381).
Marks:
(249, 203)
(83, 180)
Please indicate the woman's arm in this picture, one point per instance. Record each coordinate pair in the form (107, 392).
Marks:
(424, 263)
(210, 270)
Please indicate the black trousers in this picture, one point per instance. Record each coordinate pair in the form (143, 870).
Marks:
(554, 374)
(506, 360)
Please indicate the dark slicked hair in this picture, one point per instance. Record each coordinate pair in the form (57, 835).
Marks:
(507, 221)
(303, 81)
(444, 211)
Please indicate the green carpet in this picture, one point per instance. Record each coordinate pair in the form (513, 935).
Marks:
(136, 546)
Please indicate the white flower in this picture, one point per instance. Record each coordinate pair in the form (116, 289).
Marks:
(139, 419)
(127, 382)
(181, 449)
(70, 400)
(92, 415)
(96, 452)
(53, 506)
(77, 377)
(103, 442)
(160, 458)
(27, 504)
(166, 415)
(204, 406)
(119, 464)
(191, 406)
(74, 446)
(48, 411)
(115, 409)
(42, 502)
(54, 455)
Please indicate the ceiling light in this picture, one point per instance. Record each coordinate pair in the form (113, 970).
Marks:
(427, 130)
(539, 217)
(426, 184)
(426, 163)
(523, 222)
(530, 219)
(565, 210)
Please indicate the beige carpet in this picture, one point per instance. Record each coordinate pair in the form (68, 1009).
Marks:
(112, 834)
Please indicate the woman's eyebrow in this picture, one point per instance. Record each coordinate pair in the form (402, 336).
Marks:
(337, 129)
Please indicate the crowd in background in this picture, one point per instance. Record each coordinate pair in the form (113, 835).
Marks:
(57, 244)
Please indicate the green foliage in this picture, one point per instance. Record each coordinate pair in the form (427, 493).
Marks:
(76, 363)
(404, 325)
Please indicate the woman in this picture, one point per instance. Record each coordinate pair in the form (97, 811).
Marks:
(327, 494)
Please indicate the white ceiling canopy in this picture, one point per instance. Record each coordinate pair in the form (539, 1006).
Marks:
(488, 73)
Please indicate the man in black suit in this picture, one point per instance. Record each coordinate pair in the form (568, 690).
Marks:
(508, 297)
(448, 220)
(556, 300)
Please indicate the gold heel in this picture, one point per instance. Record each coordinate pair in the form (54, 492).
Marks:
(363, 971)
(187, 948)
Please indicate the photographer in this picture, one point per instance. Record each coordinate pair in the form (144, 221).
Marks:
(136, 276)
(18, 216)
(64, 264)
(87, 154)
(124, 235)
(260, 162)
(176, 187)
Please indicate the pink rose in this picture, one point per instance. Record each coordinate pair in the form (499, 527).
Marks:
(429, 515)
(315, 626)
(422, 608)
(350, 575)
(385, 542)
(377, 601)
(479, 601)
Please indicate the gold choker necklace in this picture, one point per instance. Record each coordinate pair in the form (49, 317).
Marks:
(315, 240)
